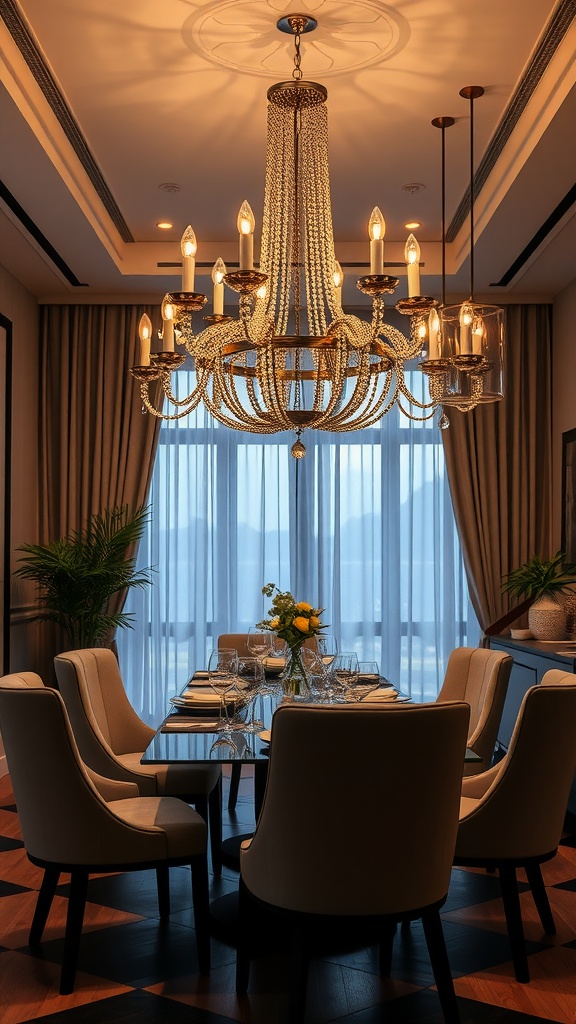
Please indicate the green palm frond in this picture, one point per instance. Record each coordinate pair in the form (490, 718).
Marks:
(539, 576)
(76, 576)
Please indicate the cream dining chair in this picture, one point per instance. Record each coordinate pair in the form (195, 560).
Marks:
(74, 821)
(112, 738)
(338, 842)
(512, 815)
(479, 677)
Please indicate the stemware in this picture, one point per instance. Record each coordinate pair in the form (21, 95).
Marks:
(360, 684)
(222, 673)
(250, 680)
(258, 643)
(344, 674)
(327, 647)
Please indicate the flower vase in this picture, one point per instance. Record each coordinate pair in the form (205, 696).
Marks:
(547, 618)
(294, 678)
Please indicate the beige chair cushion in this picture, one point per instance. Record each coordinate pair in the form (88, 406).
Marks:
(170, 816)
(480, 677)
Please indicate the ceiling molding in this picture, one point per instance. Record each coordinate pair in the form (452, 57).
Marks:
(38, 236)
(18, 29)
(557, 27)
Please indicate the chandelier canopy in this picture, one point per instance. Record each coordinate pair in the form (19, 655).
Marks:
(293, 359)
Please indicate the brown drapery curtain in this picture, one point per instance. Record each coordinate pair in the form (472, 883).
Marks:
(499, 464)
(97, 449)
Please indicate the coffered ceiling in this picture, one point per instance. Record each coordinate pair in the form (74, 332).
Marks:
(114, 116)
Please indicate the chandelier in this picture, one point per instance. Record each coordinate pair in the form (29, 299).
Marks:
(293, 359)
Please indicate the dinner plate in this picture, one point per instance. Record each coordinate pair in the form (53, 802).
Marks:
(200, 702)
(265, 735)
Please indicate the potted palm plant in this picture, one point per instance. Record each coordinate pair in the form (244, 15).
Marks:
(543, 581)
(78, 575)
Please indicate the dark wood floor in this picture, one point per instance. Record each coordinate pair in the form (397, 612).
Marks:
(135, 969)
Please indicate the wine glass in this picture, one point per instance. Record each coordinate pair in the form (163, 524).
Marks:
(250, 680)
(344, 674)
(327, 647)
(222, 672)
(258, 643)
(366, 680)
(318, 675)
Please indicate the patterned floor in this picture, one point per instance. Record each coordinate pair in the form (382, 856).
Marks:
(134, 969)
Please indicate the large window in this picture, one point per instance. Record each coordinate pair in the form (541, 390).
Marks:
(363, 526)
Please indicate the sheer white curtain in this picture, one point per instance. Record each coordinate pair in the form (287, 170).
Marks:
(362, 526)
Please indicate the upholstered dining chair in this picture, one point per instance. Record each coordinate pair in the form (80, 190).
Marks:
(74, 821)
(479, 677)
(512, 815)
(338, 840)
(112, 738)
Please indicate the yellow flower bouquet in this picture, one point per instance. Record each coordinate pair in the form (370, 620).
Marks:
(294, 622)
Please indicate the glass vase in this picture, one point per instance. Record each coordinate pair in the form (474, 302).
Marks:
(294, 679)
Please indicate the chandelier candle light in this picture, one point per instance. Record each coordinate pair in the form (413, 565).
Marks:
(293, 359)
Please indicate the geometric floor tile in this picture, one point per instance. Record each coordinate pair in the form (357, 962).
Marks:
(551, 993)
(29, 989)
(135, 968)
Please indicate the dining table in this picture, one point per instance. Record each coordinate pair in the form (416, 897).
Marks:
(188, 736)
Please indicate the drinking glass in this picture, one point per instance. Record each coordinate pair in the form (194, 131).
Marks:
(344, 674)
(249, 684)
(367, 680)
(258, 643)
(318, 676)
(222, 672)
(327, 647)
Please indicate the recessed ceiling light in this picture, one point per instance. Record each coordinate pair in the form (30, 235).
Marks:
(412, 225)
(165, 225)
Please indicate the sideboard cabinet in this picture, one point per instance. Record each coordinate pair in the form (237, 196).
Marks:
(532, 659)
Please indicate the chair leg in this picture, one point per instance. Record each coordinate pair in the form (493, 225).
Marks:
(215, 828)
(540, 897)
(244, 944)
(234, 785)
(43, 904)
(163, 886)
(201, 902)
(74, 920)
(511, 900)
(436, 944)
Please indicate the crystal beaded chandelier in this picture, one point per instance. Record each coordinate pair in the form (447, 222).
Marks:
(293, 359)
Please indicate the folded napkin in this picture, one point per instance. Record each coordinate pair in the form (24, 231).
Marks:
(201, 674)
(381, 696)
(180, 723)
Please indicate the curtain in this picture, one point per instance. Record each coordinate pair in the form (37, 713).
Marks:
(362, 526)
(499, 465)
(97, 449)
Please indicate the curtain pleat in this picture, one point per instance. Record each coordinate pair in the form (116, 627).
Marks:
(97, 449)
(498, 460)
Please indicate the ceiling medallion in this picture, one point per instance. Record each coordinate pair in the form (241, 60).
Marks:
(239, 35)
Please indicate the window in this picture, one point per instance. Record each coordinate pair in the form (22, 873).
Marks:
(363, 525)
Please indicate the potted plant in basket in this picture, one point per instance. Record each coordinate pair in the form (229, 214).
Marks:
(77, 575)
(544, 581)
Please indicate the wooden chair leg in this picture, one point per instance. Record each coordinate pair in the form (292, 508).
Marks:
(74, 920)
(540, 897)
(201, 902)
(234, 785)
(511, 900)
(215, 826)
(436, 943)
(163, 886)
(43, 904)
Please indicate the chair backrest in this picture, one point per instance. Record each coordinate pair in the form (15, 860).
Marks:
(480, 677)
(64, 819)
(351, 793)
(99, 709)
(521, 813)
(238, 642)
